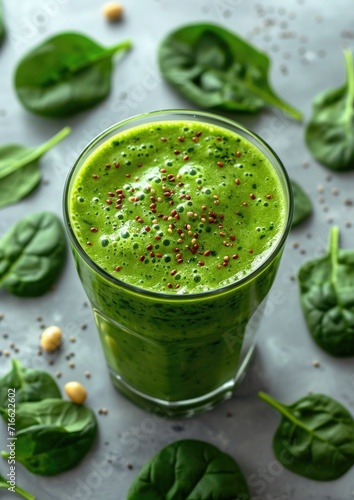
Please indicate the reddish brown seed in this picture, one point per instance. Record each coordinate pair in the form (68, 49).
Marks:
(235, 256)
(163, 139)
(119, 191)
(177, 217)
(180, 261)
(207, 253)
(180, 138)
(110, 193)
(222, 233)
(95, 176)
(169, 285)
(220, 164)
(245, 204)
(225, 263)
(252, 196)
(119, 206)
(94, 229)
(180, 184)
(250, 250)
(163, 170)
(139, 165)
(118, 268)
(108, 166)
(157, 238)
(149, 247)
(226, 258)
(127, 175)
(147, 228)
(201, 263)
(198, 134)
(176, 250)
(232, 237)
(237, 182)
(159, 255)
(195, 139)
(218, 138)
(269, 196)
(178, 285)
(188, 197)
(176, 152)
(117, 164)
(204, 207)
(173, 272)
(238, 154)
(186, 158)
(142, 258)
(89, 243)
(109, 202)
(167, 193)
(179, 256)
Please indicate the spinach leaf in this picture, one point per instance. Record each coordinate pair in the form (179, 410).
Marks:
(30, 385)
(192, 470)
(65, 74)
(2, 23)
(302, 204)
(52, 435)
(327, 298)
(330, 132)
(315, 437)
(4, 485)
(32, 254)
(19, 168)
(216, 69)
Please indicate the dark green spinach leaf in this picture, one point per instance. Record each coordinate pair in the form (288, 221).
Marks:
(190, 470)
(327, 298)
(315, 437)
(19, 168)
(4, 485)
(30, 385)
(65, 74)
(2, 23)
(330, 132)
(52, 435)
(32, 255)
(302, 204)
(216, 69)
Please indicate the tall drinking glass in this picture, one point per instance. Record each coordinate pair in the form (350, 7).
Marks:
(180, 354)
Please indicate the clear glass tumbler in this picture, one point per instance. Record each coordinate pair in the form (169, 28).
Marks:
(177, 354)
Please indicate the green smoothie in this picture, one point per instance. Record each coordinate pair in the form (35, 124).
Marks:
(174, 225)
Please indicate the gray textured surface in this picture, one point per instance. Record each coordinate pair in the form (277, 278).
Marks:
(305, 39)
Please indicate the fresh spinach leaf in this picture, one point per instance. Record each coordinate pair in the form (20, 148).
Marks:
(315, 437)
(52, 435)
(30, 385)
(327, 298)
(19, 168)
(24, 494)
(302, 204)
(330, 132)
(65, 74)
(192, 470)
(214, 68)
(32, 254)
(2, 23)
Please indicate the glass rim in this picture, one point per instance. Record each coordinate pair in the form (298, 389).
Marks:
(163, 295)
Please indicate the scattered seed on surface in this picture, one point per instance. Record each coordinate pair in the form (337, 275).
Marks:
(113, 11)
(51, 338)
(76, 392)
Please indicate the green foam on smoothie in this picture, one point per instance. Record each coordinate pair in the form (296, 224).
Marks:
(178, 207)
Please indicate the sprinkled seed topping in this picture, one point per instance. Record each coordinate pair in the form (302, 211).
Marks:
(173, 204)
